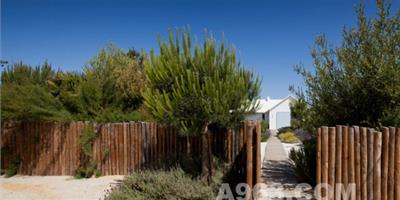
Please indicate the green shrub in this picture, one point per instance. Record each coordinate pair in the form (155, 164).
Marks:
(289, 137)
(303, 162)
(264, 126)
(264, 136)
(88, 136)
(87, 171)
(285, 129)
(12, 168)
(159, 184)
(88, 167)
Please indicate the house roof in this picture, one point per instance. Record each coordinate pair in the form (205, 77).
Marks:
(266, 105)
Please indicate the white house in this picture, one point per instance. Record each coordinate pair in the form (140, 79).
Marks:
(276, 112)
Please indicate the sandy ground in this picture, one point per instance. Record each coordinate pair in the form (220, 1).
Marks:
(55, 187)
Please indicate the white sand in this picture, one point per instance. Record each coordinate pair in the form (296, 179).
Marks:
(55, 187)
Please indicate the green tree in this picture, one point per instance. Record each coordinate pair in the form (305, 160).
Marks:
(357, 82)
(192, 88)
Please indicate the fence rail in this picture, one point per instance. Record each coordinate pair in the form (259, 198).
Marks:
(53, 148)
(361, 159)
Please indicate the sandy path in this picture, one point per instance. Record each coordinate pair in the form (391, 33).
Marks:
(277, 173)
(55, 187)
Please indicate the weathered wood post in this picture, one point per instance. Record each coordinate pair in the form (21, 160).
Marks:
(370, 166)
(338, 163)
(377, 164)
(397, 165)
(325, 157)
(364, 163)
(249, 155)
(385, 163)
(318, 159)
(258, 152)
(332, 146)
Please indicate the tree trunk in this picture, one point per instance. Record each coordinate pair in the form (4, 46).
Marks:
(205, 157)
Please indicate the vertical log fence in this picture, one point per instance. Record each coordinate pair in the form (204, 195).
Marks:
(358, 163)
(53, 148)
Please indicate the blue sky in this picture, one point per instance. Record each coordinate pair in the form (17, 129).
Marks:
(270, 36)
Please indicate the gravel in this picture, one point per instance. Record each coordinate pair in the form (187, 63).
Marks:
(55, 187)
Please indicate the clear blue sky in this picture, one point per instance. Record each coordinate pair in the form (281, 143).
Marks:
(270, 36)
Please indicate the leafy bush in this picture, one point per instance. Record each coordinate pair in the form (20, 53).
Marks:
(285, 129)
(264, 126)
(86, 139)
(12, 168)
(303, 162)
(289, 137)
(87, 171)
(264, 136)
(171, 184)
(88, 167)
(108, 90)
(356, 82)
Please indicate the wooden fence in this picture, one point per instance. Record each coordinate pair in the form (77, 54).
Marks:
(53, 148)
(363, 156)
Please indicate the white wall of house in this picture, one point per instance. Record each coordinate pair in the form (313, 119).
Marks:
(257, 117)
(283, 107)
(254, 117)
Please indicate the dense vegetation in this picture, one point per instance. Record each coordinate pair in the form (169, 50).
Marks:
(193, 88)
(160, 184)
(109, 89)
(358, 82)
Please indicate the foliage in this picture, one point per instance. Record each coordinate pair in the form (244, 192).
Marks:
(12, 168)
(303, 162)
(86, 140)
(171, 184)
(264, 126)
(109, 90)
(357, 82)
(264, 137)
(285, 129)
(192, 88)
(87, 171)
(88, 167)
(289, 137)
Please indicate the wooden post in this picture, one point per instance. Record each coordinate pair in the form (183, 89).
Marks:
(377, 164)
(345, 157)
(397, 165)
(325, 158)
(385, 163)
(364, 163)
(392, 145)
(318, 159)
(357, 152)
(331, 167)
(338, 164)
(258, 152)
(370, 166)
(249, 155)
(351, 156)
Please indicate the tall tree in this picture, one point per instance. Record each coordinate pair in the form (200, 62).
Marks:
(359, 81)
(192, 88)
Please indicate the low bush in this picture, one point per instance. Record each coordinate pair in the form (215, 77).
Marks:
(264, 126)
(303, 162)
(285, 129)
(162, 184)
(264, 136)
(12, 168)
(289, 137)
